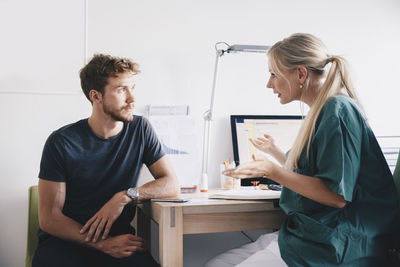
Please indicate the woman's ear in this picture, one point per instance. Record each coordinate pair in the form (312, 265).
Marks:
(302, 73)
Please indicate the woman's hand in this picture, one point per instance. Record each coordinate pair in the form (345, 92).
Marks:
(259, 167)
(267, 145)
(105, 217)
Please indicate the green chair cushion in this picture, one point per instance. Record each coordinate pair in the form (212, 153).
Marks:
(33, 225)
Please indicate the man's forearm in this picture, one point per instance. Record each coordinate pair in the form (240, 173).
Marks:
(118, 246)
(66, 228)
(159, 188)
(51, 218)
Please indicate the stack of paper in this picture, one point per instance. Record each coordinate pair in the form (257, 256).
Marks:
(247, 194)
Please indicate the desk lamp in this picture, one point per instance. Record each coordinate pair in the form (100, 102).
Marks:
(220, 51)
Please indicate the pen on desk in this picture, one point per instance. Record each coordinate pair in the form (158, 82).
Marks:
(226, 165)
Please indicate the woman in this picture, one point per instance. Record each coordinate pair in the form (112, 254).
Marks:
(338, 192)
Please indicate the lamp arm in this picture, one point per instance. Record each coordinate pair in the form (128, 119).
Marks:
(207, 127)
(208, 114)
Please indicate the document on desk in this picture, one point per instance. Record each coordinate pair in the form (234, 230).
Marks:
(247, 194)
(178, 138)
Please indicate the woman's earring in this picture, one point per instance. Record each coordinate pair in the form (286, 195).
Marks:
(301, 86)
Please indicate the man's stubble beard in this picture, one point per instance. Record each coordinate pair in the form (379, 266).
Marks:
(117, 116)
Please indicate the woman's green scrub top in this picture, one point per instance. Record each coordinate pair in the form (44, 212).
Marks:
(345, 155)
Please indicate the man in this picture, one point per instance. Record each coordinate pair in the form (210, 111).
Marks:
(88, 174)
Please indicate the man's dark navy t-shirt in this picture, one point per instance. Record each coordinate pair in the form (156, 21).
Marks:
(94, 168)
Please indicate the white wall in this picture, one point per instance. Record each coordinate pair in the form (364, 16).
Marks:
(173, 41)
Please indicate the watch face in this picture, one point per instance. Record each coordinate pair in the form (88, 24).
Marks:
(132, 192)
(129, 192)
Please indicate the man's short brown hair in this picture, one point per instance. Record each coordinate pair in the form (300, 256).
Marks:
(95, 74)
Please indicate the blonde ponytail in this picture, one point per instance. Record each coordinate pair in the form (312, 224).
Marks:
(308, 51)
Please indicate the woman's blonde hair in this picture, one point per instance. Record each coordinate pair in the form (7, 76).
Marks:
(306, 50)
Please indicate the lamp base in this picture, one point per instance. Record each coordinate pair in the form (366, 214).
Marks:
(204, 183)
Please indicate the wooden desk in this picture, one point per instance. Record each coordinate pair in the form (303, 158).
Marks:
(202, 215)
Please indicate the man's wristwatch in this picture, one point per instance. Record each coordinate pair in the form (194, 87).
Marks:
(134, 194)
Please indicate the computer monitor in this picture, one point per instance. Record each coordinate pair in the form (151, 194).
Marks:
(283, 129)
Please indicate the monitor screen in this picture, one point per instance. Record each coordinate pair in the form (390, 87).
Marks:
(283, 129)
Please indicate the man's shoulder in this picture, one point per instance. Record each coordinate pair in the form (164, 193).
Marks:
(138, 119)
(139, 122)
(69, 130)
